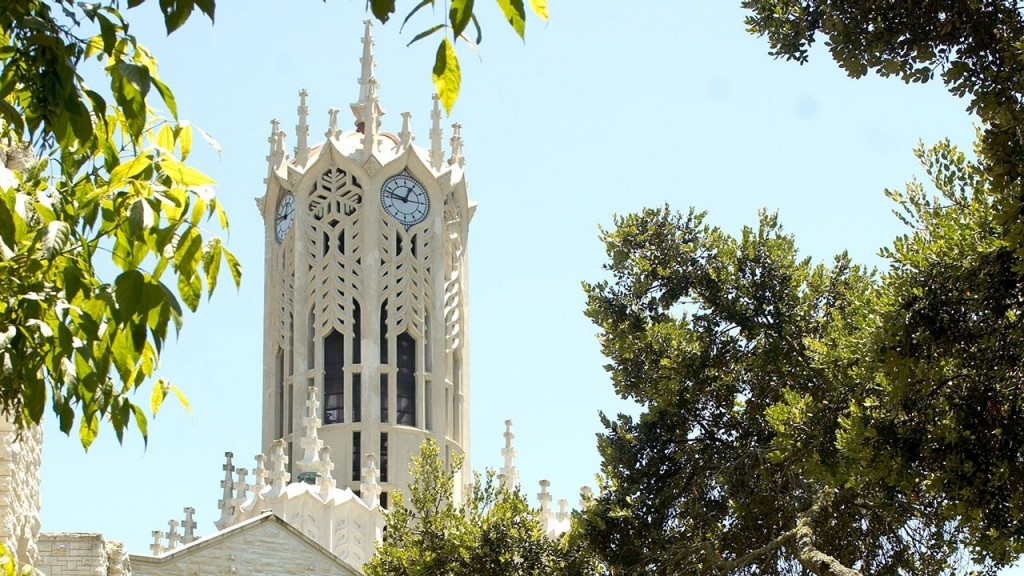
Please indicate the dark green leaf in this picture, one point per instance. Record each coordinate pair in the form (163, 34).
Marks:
(515, 14)
(459, 15)
(425, 33)
(382, 9)
(414, 11)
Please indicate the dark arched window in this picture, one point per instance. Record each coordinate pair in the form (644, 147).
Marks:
(334, 378)
(406, 384)
(384, 360)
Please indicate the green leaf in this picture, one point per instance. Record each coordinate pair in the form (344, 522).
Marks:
(55, 239)
(141, 422)
(184, 133)
(540, 8)
(211, 264)
(515, 14)
(156, 398)
(11, 115)
(182, 174)
(88, 428)
(446, 74)
(459, 15)
(425, 33)
(137, 74)
(415, 10)
(128, 288)
(120, 175)
(234, 267)
(191, 290)
(7, 564)
(165, 138)
(382, 9)
(6, 225)
(182, 399)
(167, 96)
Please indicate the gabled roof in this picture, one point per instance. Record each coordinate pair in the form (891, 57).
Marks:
(237, 536)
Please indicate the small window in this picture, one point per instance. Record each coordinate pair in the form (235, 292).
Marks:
(406, 381)
(383, 456)
(357, 457)
(334, 378)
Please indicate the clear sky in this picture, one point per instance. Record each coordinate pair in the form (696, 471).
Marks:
(605, 109)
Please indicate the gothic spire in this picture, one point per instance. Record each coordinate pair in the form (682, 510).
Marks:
(226, 504)
(456, 147)
(436, 154)
(302, 131)
(367, 109)
(405, 136)
(509, 473)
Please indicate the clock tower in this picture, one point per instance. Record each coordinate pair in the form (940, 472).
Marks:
(365, 348)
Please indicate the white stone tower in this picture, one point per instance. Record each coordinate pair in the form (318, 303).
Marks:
(365, 294)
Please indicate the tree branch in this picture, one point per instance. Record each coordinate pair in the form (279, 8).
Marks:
(809, 556)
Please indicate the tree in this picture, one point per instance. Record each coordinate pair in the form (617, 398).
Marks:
(975, 47)
(494, 532)
(102, 180)
(803, 418)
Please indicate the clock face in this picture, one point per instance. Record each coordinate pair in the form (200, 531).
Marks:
(405, 199)
(285, 215)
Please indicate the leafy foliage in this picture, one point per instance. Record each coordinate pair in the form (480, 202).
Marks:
(88, 179)
(814, 418)
(493, 533)
(975, 47)
(446, 72)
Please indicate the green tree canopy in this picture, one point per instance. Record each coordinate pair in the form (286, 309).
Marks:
(975, 47)
(493, 533)
(93, 175)
(814, 418)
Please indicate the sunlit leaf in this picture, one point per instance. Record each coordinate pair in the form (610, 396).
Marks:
(446, 75)
(515, 14)
(540, 8)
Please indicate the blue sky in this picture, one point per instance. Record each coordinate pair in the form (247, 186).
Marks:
(604, 110)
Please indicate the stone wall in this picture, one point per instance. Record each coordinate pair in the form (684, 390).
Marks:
(83, 554)
(19, 489)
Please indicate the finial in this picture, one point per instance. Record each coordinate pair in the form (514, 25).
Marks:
(157, 547)
(260, 474)
(241, 487)
(509, 472)
(325, 479)
(563, 510)
(310, 442)
(302, 131)
(436, 154)
(367, 109)
(276, 141)
(456, 144)
(369, 488)
(332, 123)
(172, 534)
(188, 525)
(545, 501)
(227, 509)
(405, 136)
(278, 462)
